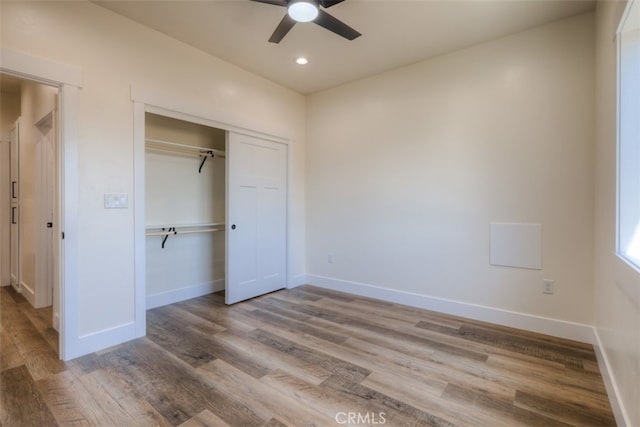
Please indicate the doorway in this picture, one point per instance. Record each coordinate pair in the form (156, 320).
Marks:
(29, 131)
(68, 81)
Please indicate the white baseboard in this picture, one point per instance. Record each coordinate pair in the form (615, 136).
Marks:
(543, 325)
(181, 294)
(56, 321)
(297, 281)
(619, 411)
(27, 292)
(100, 340)
(15, 284)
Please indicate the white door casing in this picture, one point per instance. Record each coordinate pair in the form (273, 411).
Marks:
(256, 216)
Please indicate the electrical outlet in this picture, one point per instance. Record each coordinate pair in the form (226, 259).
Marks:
(548, 286)
(331, 259)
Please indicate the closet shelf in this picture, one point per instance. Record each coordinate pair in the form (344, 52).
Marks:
(199, 225)
(183, 148)
(172, 230)
(187, 150)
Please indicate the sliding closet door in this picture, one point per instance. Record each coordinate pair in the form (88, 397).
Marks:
(256, 217)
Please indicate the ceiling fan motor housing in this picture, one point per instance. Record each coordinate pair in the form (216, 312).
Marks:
(309, 11)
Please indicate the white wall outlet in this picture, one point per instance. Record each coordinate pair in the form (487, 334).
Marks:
(116, 201)
(549, 287)
(331, 259)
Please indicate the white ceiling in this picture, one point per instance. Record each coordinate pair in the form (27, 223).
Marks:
(395, 33)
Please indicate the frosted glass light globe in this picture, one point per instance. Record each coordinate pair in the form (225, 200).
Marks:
(302, 11)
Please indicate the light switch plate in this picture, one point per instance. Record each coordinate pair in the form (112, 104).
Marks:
(116, 201)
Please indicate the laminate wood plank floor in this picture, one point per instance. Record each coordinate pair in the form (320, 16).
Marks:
(301, 357)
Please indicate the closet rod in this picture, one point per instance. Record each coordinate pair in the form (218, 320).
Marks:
(157, 144)
(171, 231)
(189, 226)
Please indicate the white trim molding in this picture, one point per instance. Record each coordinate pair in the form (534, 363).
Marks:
(28, 292)
(139, 240)
(543, 325)
(39, 69)
(172, 105)
(613, 391)
(100, 340)
(69, 340)
(296, 281)
(181, 294)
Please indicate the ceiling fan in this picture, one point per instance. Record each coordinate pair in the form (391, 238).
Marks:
(307, 11)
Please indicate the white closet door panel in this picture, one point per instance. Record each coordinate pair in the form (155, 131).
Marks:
(246, 232)
(272, 220)
(256, 219)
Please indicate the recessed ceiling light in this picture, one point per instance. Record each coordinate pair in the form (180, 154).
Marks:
(302, 61)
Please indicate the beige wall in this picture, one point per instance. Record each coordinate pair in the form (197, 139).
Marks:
(617, 285)
(10, 111)
(113, 54)
(406, 170)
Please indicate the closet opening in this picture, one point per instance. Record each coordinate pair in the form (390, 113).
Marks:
(185, 207)
(211, 209)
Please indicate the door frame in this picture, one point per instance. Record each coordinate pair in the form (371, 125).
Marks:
(68, 80)
(146, 101)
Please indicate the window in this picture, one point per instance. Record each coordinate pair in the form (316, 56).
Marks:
(629, 134)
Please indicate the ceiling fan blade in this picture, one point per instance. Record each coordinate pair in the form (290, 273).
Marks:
(335, 25)
(282, 29)
(329, 3)
(282, 3)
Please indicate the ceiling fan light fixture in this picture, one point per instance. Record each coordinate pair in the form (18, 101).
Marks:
(302, 11)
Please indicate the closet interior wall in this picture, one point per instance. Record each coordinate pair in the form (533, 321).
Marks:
(184, 194)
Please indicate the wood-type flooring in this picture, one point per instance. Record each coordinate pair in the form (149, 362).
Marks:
(300, 357)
